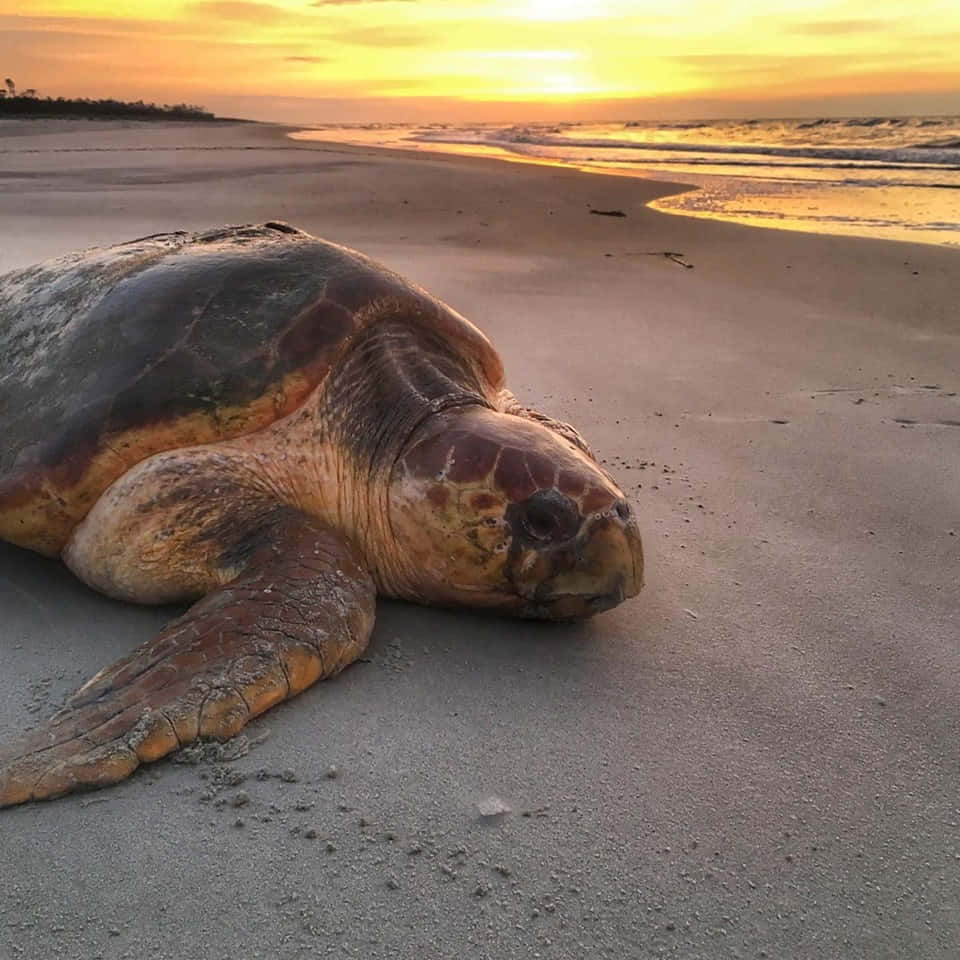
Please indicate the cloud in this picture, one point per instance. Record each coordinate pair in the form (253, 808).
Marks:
(92, 26)
(307, 59)
(382, 36)
(731, 65)
(343, 3)
(834, 28)
(753, 60)
(246, 11)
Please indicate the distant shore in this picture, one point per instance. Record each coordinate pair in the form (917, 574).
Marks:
(29, 107)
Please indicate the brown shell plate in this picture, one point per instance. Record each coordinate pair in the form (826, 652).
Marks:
(114, 354)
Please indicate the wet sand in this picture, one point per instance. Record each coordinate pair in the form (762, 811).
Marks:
(758, 757)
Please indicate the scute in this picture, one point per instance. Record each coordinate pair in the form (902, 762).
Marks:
(114, 354)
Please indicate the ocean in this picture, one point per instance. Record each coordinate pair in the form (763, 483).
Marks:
(896, 178)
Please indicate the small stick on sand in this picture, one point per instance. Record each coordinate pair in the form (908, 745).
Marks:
(669, 254)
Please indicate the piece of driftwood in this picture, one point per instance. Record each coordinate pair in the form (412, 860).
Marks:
(669, 254)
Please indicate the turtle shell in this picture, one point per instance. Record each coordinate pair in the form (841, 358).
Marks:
(114, 354)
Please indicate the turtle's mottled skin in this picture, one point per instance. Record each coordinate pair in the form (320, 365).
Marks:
(277, 428)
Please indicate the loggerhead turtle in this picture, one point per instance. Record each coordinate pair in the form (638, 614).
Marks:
(277, 428)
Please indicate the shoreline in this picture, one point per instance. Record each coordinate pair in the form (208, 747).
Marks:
(282, 135)
(714, 244)
(661, 187)
(765, 208)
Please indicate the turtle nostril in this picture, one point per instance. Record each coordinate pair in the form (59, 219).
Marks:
(623, 510)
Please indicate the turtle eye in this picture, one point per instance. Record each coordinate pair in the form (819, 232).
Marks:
(540, 521)
(547, 517)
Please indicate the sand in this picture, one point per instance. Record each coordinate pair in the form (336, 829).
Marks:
(756, 758)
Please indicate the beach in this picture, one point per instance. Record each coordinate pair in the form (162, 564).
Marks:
(757, 757)
(889, 178)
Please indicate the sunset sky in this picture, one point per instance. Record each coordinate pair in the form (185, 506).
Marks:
(489, 59)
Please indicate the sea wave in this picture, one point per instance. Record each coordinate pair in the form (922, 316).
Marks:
(666, 126)
(857, 122)
(917, 154)
(746, 166)
(938, 145)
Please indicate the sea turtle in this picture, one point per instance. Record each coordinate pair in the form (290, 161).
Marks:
(278, 428)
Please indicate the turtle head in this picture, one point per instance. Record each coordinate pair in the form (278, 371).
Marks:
(498, 511)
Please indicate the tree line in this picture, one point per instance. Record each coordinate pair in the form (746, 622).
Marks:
(27, 102)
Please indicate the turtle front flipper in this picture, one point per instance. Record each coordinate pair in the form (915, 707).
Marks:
(300, 609)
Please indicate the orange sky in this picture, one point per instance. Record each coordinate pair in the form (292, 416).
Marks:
(487, 59)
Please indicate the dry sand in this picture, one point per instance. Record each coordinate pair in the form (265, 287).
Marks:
(756, 758)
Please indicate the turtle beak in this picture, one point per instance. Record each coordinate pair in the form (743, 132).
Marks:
(609, 563)
(594, 571)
